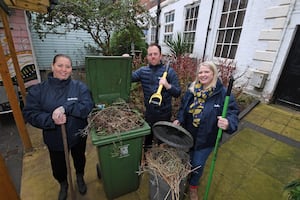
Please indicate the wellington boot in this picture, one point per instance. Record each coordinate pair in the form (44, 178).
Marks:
(63, 192)
(81, 184)
(193, 194)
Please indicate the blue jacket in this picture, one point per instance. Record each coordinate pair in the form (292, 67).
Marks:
(205, 134)
(149, 77)
(44, 98)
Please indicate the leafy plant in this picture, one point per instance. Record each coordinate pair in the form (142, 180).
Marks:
(122, 40)
(98, 18)
(177, 46)
(293, 189)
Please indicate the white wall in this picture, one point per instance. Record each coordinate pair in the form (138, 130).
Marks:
(251, 42)
(286, 42)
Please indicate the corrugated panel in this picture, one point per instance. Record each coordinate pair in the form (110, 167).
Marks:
(73, 44)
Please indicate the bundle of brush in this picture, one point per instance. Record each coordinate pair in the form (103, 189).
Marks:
(117, 118)
(171, 164)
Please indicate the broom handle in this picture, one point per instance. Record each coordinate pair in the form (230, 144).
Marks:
(220, 131)
(66, 150)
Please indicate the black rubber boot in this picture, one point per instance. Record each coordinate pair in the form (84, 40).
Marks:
(63, 193)
(81, 184)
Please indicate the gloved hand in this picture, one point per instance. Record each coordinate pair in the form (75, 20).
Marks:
(59, 116)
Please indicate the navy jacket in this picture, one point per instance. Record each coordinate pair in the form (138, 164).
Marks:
(206, 133)
(149, 77)
(44, 98)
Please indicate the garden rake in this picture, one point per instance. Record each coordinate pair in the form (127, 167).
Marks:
(156, 98)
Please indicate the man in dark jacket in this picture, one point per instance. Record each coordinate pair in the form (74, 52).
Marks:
(151, 77)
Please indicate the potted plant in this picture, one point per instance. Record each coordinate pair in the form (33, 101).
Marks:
(293, 189)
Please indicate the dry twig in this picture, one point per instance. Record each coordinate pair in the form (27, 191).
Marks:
(117, 118)
(171, 165)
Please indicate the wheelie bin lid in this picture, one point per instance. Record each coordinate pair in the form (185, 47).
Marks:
(173, 135)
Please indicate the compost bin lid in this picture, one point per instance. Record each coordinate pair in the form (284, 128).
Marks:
(108, 78)
(173, 135)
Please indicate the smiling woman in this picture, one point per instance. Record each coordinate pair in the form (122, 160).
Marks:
(61, 67)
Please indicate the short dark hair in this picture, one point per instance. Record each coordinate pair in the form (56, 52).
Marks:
(155, 45)
(61, 55)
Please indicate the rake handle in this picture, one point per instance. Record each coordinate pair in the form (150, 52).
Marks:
(161, 86)
(219, 136)
(66, 150)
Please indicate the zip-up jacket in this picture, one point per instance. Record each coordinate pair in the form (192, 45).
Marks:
(149, 77)
(206, 133)
(44, 98)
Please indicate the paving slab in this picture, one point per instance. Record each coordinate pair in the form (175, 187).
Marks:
(254, 163)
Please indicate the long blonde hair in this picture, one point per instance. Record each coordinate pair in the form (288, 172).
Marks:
(212, 67)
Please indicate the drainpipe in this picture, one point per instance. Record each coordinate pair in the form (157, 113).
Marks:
(208, 29)
(157, 21)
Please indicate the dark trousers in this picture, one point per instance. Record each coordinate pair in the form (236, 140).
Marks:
(151, 120)
(58, 162)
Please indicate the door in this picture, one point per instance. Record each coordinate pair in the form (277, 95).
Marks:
(288, 88)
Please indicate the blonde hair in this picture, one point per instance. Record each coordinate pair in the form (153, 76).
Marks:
(213, 68)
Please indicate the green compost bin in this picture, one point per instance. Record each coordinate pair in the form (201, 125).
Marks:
(120, 154)
(119, 160)
(108, 77)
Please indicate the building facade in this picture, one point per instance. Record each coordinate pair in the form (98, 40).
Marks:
(260, 37)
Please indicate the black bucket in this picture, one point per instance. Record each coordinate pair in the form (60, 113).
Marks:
(159, 189)
(180, 139)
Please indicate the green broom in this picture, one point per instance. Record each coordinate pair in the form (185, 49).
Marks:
(219, 136)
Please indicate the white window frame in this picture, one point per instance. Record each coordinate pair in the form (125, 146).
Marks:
(190, 25)
(169, 25)
(230, 28)
(153, 30)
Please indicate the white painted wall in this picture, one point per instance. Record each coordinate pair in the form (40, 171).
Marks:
(253, 48)
(284, 48)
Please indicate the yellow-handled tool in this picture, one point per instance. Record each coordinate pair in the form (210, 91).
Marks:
(156, 98)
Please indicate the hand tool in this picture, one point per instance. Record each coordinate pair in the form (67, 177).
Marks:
(219, 136)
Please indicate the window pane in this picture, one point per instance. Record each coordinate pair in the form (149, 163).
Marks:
(226, 6)
(225, 51)
(192, 13)
(194, 26)
(228, 36)
(240, 18)
(221, 36)
(196, 12)
(185, 26)
(218, 51)
(232, 51)
(236, 36)
(231, 19)
(223, 20)
(234, 4)
(243, 4)
(187, 14)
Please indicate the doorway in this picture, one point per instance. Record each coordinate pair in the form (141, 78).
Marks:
(288, 88)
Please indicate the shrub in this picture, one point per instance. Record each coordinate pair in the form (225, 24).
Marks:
(185, 68)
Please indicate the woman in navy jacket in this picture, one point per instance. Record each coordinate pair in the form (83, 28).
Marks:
(56, 101)
(200, 113)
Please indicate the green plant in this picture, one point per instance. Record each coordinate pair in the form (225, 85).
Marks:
(293, 189)
(177, 46)
(122, 40)
(100, 19)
